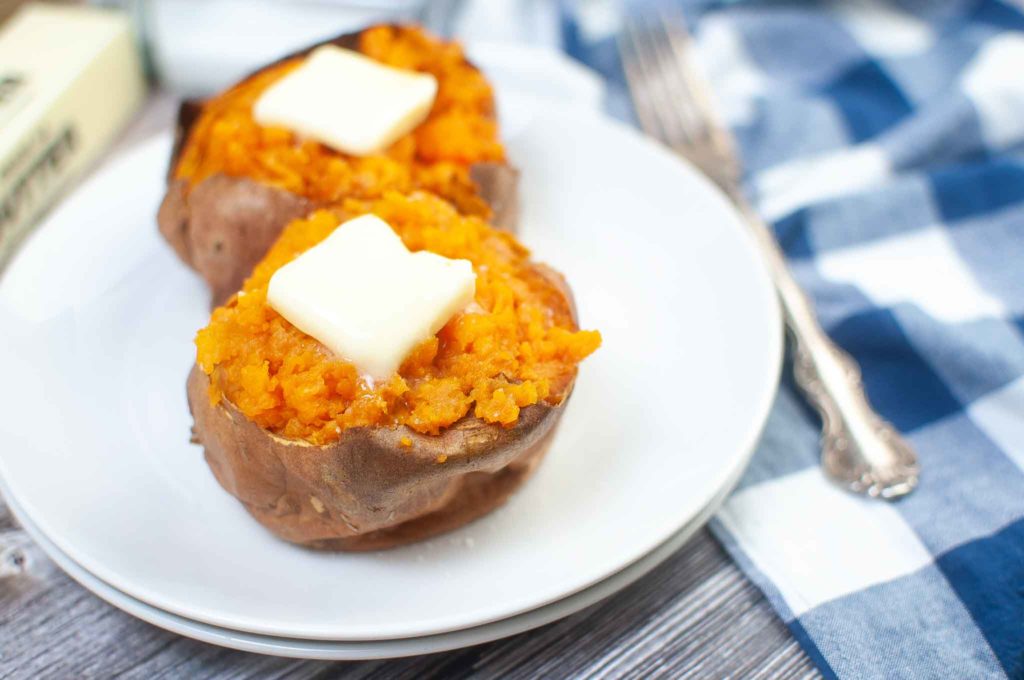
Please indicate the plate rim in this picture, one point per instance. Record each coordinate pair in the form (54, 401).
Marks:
(366, 650)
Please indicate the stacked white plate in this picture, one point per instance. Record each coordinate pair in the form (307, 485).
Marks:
(97, 319)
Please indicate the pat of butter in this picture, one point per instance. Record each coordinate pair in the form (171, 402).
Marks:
(364, 296)
(347, 101)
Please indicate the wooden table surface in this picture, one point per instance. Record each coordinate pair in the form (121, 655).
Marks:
(695, 615)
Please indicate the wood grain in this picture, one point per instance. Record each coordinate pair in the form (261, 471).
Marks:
(695, 615)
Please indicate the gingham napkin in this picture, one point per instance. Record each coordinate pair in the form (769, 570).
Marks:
(884, 142)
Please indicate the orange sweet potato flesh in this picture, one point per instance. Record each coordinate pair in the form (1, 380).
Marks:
(517, 345)
(221, 213)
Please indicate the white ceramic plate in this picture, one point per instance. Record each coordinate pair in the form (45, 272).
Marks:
(371, 649)
(96, 323)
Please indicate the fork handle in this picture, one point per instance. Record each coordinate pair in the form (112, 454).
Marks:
(860, 450)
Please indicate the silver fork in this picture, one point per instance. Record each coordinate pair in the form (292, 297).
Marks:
(860, 450)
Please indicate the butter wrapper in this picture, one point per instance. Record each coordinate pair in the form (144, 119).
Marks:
(70, 78)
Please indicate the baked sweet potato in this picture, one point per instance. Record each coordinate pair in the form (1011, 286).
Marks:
(222, 224)
(324, 459)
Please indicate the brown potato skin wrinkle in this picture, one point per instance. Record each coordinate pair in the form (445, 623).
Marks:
(371, 492)
(223, 226)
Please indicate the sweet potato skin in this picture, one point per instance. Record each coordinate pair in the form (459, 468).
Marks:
(367, 491)
(225, 225)
(222, 226)
(499, 186)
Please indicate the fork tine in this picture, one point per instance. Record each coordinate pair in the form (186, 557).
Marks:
(689, 124)
(637, 80)
(676, 131)
(671, 101)
(646, 82)
(673, 39)
(681, 43)
(661, 101)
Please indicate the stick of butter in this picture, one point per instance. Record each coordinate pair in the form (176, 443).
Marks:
(70, 78)
(347, 101)
(365, 297)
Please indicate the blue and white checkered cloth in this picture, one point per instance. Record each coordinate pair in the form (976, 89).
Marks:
(885, 142)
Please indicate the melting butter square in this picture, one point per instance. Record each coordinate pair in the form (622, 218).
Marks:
(369, 300)
(348, 101)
